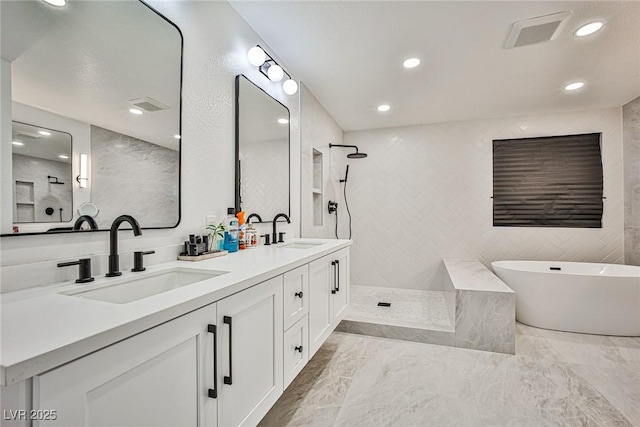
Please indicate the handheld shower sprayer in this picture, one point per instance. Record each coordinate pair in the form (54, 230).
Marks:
(346, 175)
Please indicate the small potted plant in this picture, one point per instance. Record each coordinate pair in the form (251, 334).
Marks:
(216, 237)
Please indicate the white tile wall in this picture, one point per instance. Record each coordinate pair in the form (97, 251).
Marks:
(318, 130)
(423, 194)
(631, 120)
(265, 178)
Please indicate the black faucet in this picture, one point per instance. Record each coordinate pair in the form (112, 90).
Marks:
(254, 215)
(93, 225)
(275, 234)
(114, 259)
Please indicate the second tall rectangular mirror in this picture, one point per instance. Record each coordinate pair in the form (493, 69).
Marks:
(262, 152)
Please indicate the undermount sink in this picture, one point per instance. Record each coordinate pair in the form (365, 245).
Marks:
(135, 288)
(301, 245)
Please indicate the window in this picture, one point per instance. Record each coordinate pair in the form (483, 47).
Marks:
(548, 182)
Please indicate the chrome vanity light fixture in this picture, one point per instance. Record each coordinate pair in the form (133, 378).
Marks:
(271, 69)
(83, 177)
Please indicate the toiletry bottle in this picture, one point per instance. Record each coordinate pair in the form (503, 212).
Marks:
(231, 233)
(242, 228)
(252, 236)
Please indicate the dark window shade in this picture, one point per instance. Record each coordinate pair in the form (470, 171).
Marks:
(548, 182)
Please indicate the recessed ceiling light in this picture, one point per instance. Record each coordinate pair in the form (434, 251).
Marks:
(176, 136)
(574, 86)
(283, 121)
(588, 29)
(135, 111)
(411, 63)
(57, 3)
(383, 107)
(18, 143)
(44, 133)
(62, 156)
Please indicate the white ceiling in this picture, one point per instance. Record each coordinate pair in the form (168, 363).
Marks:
(349, 54)
(87, 59)
(48, 147)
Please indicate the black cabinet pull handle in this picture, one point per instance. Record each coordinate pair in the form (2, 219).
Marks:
(299, 348)
(213, 392)
(338, 281)
(299, 294)
(229, 379)
(333, 263)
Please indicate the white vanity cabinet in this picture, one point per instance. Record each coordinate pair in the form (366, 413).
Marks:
(224, 364)
(250, 353)
(296, 322)
(156, 378)
(329, 296)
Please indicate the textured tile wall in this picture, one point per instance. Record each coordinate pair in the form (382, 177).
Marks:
(631, 130)
(36, 171)
(265, 178)
(423, 195)
(134, 177)
(317, 131)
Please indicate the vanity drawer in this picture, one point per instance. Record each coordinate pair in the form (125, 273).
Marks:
(296, 295)
(296, 349)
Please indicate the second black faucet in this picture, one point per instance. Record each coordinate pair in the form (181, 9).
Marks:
(274, 237)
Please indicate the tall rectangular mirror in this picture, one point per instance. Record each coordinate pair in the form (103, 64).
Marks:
(262, 152)
(106, 75)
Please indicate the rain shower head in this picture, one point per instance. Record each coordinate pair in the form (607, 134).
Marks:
(356, 155)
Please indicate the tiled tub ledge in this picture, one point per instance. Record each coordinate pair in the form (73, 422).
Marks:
(481, 310)
(482, 306)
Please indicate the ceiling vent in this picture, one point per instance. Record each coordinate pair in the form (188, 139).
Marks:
(536, 30)
(148, 104)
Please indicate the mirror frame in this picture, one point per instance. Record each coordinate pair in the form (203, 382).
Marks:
(237, 159)
(46, 233)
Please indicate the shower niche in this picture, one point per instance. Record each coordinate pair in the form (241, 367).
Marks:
(316, 189)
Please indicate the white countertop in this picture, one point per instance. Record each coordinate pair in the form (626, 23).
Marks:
(41, 329)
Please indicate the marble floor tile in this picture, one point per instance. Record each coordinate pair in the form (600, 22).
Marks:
(356, 380)
(409, 307)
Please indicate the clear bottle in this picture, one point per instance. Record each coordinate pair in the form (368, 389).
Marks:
(231, 232)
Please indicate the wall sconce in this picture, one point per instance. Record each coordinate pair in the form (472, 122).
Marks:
(271, 69)
(83, 178)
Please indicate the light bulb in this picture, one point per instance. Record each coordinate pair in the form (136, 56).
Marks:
(275, 73)
(57, 3)
(135, 111)
(256, 56)
(290, 87)
(411, 63)
(588, 29)
(574, 86)
(383, 107)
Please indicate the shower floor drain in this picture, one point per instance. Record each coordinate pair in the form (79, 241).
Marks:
(384, 304)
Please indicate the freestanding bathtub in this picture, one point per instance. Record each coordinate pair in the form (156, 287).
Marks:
(581, 297)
